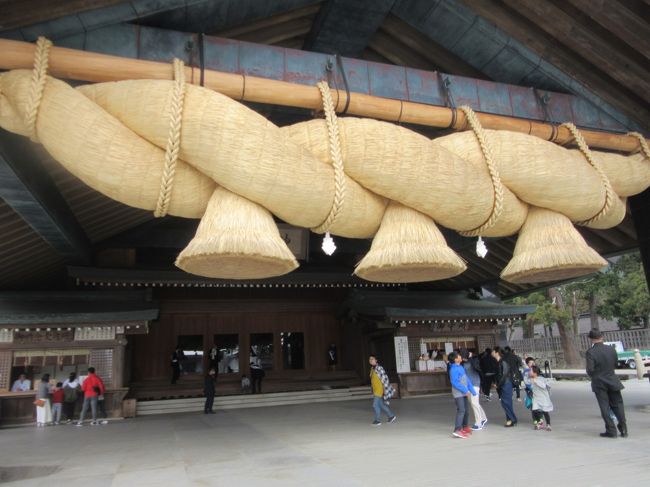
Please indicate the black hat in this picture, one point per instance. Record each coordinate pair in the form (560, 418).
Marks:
(595, 335)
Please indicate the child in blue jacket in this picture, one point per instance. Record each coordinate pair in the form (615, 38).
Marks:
(462, 389)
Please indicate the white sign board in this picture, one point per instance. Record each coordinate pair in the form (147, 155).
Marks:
(402, 355)
(449, 347)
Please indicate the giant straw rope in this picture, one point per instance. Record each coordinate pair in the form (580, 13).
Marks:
(180, 149)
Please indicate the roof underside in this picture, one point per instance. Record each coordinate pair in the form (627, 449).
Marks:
(597, 50)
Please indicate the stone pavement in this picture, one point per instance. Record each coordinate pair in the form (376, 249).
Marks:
(334, 445)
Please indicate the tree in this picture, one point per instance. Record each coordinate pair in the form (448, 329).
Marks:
(572, 357)
(626, 297)
(551, 310)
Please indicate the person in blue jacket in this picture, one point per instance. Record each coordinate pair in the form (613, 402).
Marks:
(462, 389)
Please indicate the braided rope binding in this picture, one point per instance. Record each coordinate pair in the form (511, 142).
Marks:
(643, 144)
(337, 158)
(173, 140)
(609, 192)
(486, 149)
(39, 77)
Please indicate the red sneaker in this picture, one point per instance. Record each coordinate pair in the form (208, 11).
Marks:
(459, 434)
(467, 430)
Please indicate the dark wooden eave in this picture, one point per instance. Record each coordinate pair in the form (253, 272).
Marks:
(76, 307)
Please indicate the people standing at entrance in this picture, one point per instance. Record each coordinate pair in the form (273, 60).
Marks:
(213, 358)
(71, 390)
(22, 384)
(43, 408)
(489, 368)
(542, 404)
(504, 387)
(257, 374)
(177, 356)
(472, 368)
(601, 364)
(209, 385)
(332, 357)
(245, 384)
(57, 402)
(92, 387)
(462, 389)
(382, 391)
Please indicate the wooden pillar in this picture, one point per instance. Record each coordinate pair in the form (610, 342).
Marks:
(119, 357)
(640, 208)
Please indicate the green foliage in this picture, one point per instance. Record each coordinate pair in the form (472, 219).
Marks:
(621, 293)
(626, 297)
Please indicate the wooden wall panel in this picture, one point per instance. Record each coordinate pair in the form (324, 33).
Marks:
(317, 320)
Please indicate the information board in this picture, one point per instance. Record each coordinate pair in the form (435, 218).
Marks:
(402, 355)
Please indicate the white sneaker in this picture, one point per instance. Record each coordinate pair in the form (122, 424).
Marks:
(79, 423)
(103, 421)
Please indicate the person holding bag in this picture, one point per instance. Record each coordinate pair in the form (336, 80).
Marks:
(42, 402)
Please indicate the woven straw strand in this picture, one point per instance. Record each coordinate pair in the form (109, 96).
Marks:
(486, 149)
(609, 192)
(643, 144)
(39, 77)
(337, 158)
(173, 141)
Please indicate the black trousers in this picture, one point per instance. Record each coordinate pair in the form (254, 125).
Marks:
(68, 409)
(538, 414)
(209, 401)
(609, 399)
(486, 383)
(256, 385)
(176, 373)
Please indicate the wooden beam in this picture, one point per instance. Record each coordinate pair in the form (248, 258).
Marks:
(397, 53)
(309, 11)
(538, 41)
(26, 186)
(346, 27)
(278, 32)
(621, 22)
(437, 55)
(87, 66)
(586, 43)
(20, 13)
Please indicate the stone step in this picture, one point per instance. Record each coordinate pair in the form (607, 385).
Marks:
(145, 408)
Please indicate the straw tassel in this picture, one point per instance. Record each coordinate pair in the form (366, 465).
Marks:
(408, 248)
(236, 239)
(549, 248)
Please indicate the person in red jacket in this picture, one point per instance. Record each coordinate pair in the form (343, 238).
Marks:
(92, 387)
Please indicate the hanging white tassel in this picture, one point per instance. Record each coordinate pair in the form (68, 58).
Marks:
(328, 244)
(481, 248)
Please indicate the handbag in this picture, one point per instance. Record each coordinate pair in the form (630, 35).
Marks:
(39, 402)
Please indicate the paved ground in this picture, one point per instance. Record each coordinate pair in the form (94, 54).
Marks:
(334, 444)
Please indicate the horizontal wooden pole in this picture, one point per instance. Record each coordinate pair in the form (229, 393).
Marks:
(88, 66)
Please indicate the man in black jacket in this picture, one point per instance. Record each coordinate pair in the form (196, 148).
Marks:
(601, 364)
(208, 388)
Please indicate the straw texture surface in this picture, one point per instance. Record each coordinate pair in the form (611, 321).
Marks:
(113, 136)
(408, 248)
(550, 248)
(236, 239)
